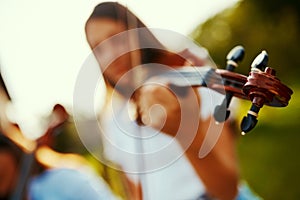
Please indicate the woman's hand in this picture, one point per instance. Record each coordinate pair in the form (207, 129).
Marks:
(168, 108)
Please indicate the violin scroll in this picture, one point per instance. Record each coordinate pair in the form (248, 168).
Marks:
(263, 87)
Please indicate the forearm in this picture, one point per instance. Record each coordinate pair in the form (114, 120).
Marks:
(218, 169)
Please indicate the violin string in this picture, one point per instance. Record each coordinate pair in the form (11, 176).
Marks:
(201, 79)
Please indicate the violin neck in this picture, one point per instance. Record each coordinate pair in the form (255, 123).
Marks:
(189, 76)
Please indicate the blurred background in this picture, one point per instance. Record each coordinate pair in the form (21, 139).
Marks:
(269, 154)
(42, 47)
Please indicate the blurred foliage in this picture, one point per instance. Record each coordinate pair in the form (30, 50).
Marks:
(257, 25)
(268, 154)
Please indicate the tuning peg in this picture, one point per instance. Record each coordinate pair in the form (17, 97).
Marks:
(260, 62)
(249, 122)
(236, 55)
(221, 112)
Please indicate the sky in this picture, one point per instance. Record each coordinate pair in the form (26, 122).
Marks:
(43, 44)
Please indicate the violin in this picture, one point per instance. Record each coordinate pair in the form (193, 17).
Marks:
(261, 86)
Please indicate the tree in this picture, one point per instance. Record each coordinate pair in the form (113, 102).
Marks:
(257, 25)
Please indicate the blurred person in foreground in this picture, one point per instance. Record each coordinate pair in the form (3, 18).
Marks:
(43, 182)
(33, 170)
(147, 126)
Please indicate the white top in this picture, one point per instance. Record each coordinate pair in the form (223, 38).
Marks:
(153, 158)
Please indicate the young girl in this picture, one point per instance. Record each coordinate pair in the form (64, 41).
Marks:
(158, 145)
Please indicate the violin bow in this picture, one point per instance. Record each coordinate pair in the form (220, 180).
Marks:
(135, 58)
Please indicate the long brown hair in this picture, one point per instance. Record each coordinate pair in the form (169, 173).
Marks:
(119, 13)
